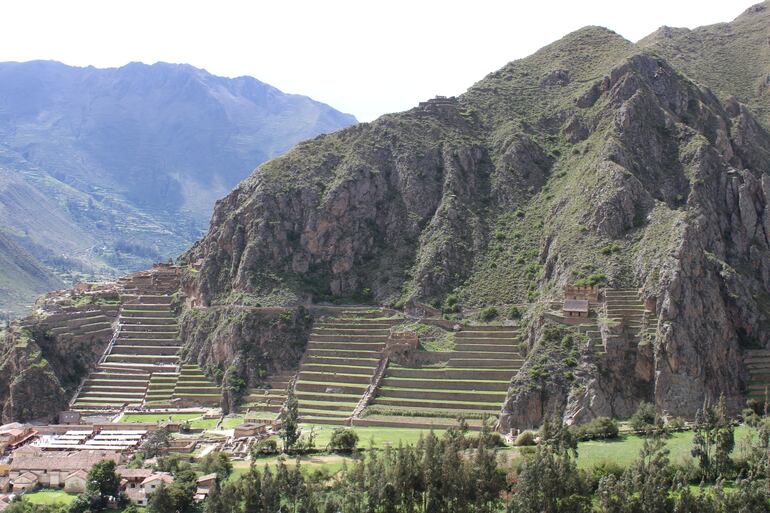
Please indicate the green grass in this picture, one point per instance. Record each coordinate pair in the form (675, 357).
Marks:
(262, 415)
(331, 464)
(50, 497)
(157, 417)
(379, 436)
(625, 449)
(231, 422)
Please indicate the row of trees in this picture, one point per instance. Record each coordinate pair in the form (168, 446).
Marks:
(444, 475)
(435, 475)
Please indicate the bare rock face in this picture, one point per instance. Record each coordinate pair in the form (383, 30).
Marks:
(244, 343)
(29, 387)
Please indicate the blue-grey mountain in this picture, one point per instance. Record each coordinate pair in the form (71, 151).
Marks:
(105, 170)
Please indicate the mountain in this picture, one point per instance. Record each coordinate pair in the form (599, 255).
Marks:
(594, 161)
(103, 171)
(21, 275)
(733, 59)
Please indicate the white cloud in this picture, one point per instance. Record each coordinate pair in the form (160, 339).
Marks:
(363, 57)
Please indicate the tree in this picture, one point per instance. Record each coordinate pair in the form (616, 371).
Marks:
(251, 490)
(217, 463)
(102, 484)
(643, 486)
(343, 440)
(550, 481)
(161, 501)
(290, 431)
(103, 480)
(713, 440)
(156, 442)
(644, 418)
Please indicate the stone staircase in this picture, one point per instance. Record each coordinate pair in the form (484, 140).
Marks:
(271, 396)
(594, 338)
(625, 306)
(472, 381)
(343, 353)
(148, 336)
(757, 363)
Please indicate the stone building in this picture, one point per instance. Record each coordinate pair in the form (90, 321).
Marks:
(576, 308)
(31, 468)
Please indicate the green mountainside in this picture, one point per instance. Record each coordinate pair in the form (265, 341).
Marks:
(21, 276)
(593, 161)
(733, 59)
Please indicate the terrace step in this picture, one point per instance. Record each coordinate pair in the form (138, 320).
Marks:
(429, 404)
(448, 373)
(432, 384)
(337, 353)
(134, 358)
(329, 360)
(335, 369)
(484, 363)
(163, 350)
(505, 334)
(491, 348)
(347, 338)
(148, 334)
(323, 420)
(332, 389)
(443, 395)
(130, 299)
(360, 346)
(350, 331)
(149, 321)
(410, 422)
(146, 314)
(329, 377)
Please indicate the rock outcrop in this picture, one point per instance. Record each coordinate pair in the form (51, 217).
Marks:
(241, 346)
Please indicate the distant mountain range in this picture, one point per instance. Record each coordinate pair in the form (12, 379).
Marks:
(103, 171)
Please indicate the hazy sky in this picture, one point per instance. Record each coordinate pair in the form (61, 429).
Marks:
(363, 57)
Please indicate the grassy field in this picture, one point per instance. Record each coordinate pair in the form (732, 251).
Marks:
(157, 417)
(49, 497)
(196, 419)
(622, 451)
(378, 436)
(625, 449)
(330, 463)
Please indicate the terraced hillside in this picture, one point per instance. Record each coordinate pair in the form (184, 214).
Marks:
(342, 356)
(758, 364)
(268, 399)
(141, 365)
(626, 308)
(471, 381)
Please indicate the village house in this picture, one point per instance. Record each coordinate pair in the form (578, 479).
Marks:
(14, 434)
(31, 467)
(250, 429)
(140, 494)
(140, 483)
(575, 308)
(76, 482)
(205, 483)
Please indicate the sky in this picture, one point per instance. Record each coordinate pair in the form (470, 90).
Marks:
(364, 57)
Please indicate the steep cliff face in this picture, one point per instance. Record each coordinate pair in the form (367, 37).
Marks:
(589, 160)
(29, 386)
(240, 346)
